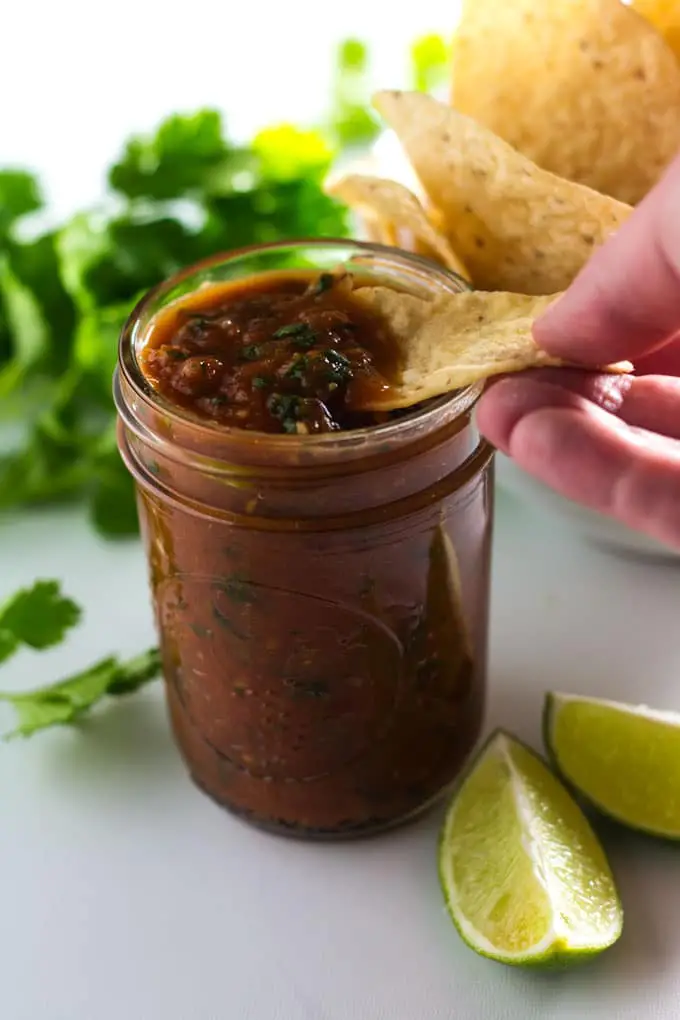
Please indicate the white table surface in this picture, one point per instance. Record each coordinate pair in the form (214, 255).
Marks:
(125, 893)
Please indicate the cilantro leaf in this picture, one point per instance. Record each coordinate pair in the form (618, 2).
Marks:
(351, 120)
(283, 209)
(287, 153)
(39, 617)
(176, 161)
(67, 700)
(19, 195)
(46, 469)
(27, 328)
(429, 55)
(112, 506)
(110, 260)
(36, 266)
(36, 617)
(95, 344)
(80, 243)
(64, 448)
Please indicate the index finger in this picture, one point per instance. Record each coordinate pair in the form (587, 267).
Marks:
(625, 302)
(586, 454)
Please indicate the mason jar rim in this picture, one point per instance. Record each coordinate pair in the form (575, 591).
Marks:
(128, 366)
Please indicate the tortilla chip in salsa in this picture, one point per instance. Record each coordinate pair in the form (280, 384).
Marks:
(456, 341)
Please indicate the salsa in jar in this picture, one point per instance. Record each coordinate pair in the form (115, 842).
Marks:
(319, 572)
(283, 352)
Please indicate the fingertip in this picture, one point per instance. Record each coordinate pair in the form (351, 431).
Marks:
(548, 320)
(572, 327)
(623, 303)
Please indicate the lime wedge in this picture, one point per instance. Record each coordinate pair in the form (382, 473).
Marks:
(624, 759)
(525, 878)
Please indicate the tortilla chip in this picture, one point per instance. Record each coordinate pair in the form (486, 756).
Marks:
(394, 207)
(380, 232)
(457, 340)
(585, 88)
(516, 227)
(665, 16)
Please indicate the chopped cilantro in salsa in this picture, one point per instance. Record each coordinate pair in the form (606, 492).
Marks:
(283, 352)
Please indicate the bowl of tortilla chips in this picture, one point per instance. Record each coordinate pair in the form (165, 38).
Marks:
(560, 117)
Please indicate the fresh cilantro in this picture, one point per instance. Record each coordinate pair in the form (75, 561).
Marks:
(176, 161)
(111, 260)
(182, 194)
(430, 58)
(302, 333)
(65, 295)
(39, 618)
(306, 340)
(26, 323)
(67, 700)
(19, 195)
(112, 493)
(339, 366)
(294, 329)
(352, 122)
(288, 153)
(35, 265)
(285, 407)
(297, 368)
(36, 617)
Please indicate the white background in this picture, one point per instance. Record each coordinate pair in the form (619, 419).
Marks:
(76, 78)
(123, 892)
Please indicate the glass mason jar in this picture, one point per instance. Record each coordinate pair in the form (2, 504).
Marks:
(321, 601)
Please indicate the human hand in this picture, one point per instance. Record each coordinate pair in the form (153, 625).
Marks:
(611, 443)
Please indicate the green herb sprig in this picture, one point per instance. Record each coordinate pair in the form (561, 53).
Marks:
(40, 617)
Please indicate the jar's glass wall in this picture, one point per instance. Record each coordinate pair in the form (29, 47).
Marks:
(323, 622)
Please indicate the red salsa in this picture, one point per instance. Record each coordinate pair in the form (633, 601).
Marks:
(284, 352)
(321, 600)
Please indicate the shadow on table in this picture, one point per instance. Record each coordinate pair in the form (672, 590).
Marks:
(647, 875)
(127, 741)
(515, 704)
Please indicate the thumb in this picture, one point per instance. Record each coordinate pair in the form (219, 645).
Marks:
(625, 302)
